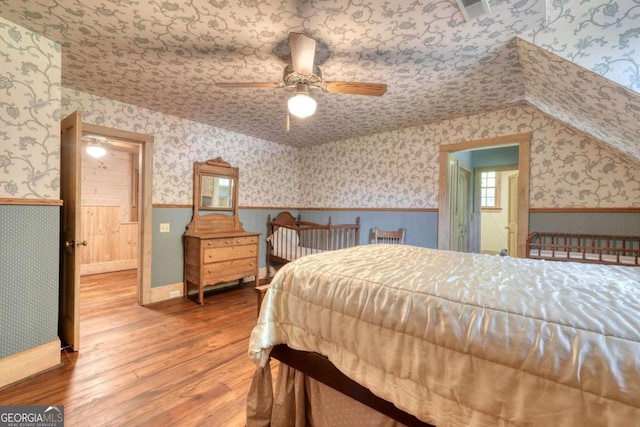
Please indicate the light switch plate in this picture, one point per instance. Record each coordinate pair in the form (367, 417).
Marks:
(165, 227)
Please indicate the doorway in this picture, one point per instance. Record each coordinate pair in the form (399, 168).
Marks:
(109, 205)
(496, 199)
(445, 206)
(72, 131)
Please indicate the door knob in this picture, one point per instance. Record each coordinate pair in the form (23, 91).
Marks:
(72, 244)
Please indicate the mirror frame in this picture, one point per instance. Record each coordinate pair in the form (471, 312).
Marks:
(209, 221)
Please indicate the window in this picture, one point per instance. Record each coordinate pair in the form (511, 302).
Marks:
(489, 190)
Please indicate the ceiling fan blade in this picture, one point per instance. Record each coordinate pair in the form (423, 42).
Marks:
(250, 85)
(371, 89)
(303, 51)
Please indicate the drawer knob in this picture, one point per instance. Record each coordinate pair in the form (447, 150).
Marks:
(208, 243)
(209, 270)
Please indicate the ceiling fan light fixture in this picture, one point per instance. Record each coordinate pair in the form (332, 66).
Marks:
(301, 104)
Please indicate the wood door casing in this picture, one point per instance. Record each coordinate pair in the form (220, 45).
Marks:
(523, 140)
(144, 203)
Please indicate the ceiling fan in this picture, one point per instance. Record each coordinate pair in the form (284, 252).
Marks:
(303, 75)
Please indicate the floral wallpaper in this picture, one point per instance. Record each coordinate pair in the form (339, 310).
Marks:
(399, 169)
(396, 168)
(268, 172)
(29, 114)
(584, 100)
(602, 36)
(167, 56)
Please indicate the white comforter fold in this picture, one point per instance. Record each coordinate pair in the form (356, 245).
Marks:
(464, 339)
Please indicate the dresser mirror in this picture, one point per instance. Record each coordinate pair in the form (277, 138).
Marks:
(215, 197)
(216, 192)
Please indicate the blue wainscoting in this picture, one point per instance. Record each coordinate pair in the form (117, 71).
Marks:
(421, 228)
(621, 223)
(167, 262)
(29, 265)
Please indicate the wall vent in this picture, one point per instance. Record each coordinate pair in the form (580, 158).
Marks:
(473, 8)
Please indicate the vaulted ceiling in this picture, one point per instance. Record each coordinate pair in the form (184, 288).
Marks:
(168, 55)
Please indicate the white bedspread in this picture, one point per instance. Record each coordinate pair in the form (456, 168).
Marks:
(465, 339)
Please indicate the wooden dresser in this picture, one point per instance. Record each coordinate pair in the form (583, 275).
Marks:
(217, 250)
(216, 258)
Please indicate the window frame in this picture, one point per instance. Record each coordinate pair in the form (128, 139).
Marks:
(497, 188)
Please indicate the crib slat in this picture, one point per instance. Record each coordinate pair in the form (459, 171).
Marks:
(590, 248)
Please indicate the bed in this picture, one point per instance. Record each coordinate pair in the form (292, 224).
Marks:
(289, 238)
(450, 338)
(589, 248)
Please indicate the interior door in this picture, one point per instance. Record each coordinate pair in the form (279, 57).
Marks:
(453, 204)
(459, 202)
(464, 180)
(70, 258)
(512, 239)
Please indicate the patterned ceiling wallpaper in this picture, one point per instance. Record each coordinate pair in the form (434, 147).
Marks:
(584, 100)
(29, 120)
(602, 36)
(399, 169)
(166, 56)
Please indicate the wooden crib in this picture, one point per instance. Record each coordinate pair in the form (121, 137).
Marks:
(590, 248)
(289, 238)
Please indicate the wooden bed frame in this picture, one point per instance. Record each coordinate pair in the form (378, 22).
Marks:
(321, 369)
(590, 248)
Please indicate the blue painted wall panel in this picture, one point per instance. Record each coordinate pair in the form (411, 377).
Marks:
(29, 263)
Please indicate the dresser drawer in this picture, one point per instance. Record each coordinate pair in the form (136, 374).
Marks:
(230, 241)
(229, 270)
(230, 253)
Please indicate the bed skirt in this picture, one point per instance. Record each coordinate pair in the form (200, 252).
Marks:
(299, 401)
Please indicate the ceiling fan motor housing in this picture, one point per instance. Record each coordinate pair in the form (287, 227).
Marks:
(292, 78)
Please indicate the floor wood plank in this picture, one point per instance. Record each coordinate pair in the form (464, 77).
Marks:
(172, 363)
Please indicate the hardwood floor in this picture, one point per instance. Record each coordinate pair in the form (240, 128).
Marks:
(171, 363)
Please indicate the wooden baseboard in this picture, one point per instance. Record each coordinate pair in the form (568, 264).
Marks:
(30, 362)
(165, 292)
(174, 290)
(108, 267)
